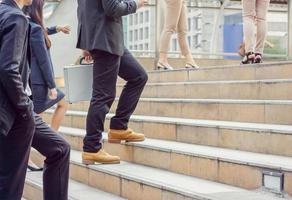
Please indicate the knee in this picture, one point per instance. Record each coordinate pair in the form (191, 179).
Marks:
(30, 126)
(171, 29)
(249, 15)
(63, 104)
(104, 97)
(143, 79)
(139, 81)
(260, 19)
(182, 32)
(60, 154)
(65, 150)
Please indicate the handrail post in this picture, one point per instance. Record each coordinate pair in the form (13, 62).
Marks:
(289, 30)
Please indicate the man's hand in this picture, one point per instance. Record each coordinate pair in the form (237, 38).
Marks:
(87, 56)
(142, 3)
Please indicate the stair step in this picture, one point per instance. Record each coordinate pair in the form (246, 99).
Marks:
(149, 62)
(134, 181)
(255, 111)
(276, 70)
(177, 103)
(77, 191)
(254, 137)
(244, 89)
(205, 162)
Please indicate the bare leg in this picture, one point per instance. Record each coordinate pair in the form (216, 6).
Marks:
(249, 13)
(59, 114)
(163, 58)
(262, 10)
(173, 10)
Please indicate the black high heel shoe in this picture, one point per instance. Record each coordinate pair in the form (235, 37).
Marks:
(258, 58)
(249, 58)
(34, 169)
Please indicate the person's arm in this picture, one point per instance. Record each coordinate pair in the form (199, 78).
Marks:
(52, 30)
(56, 29)
(39, 49)
(116, 8)
(11, 50)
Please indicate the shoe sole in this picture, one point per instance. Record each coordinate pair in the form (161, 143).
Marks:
(117, 141)
(258, 61)
(90, 162)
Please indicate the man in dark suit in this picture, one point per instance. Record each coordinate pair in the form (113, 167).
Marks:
(101, 33)
(20, 128)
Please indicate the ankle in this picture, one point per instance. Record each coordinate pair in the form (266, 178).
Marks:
(164, 62)
(249, 58)
(163, 57)
(258, 58)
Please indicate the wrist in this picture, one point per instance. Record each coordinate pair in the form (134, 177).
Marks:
(58, 29)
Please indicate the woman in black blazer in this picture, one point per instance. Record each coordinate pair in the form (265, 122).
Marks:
(45, 94)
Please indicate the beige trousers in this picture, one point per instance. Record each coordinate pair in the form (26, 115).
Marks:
(175, 22)
(255, 24)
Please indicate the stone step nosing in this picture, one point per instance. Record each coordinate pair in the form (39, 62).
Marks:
(228, 160)
(228, 82)
(38, 186)
(142, 180)
(35, 184)
(214, 101)
(253, 66)
(272, 166)
(198, 123)
(164, 185)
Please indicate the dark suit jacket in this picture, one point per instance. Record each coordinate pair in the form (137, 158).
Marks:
(42, 72)
(52, 30)
(100, 24)
(13, 65)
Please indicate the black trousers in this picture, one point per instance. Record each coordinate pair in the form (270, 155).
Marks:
(14, 154)
(107, 67)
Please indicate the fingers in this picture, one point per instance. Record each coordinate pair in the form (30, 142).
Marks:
(87, 56)
(86, 53)
(53, 97)
(53, 94)
(66, 29)
(142, 3)
(88, 59)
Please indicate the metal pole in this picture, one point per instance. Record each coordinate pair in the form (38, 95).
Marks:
(289, 30)
(217, 23)
(159, 12)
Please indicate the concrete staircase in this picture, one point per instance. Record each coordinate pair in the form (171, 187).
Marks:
(211, 133)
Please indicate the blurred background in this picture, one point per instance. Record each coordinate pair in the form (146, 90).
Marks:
(215, 30)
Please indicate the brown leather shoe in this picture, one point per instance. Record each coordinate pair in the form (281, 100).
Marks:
(100, 157)
(116, 136)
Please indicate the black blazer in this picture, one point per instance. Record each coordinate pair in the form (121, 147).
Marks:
(42, 72)
(14, 68)
(100, 24)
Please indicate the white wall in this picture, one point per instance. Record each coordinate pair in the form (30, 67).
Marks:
(63, 49)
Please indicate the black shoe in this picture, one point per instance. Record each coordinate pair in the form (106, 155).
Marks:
(258, 58)
(249, 58)
(34, 169)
